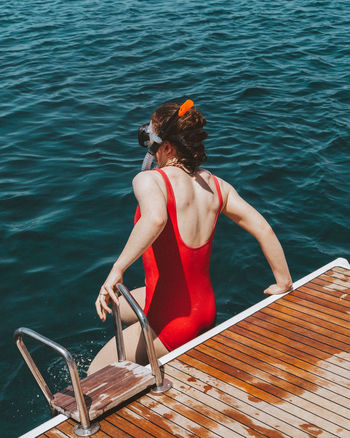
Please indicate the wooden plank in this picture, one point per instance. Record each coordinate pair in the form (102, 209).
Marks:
(201, 420)
(250, 407)
(256, 394)
(97, 383)
(162, 421)
(225, 388)
(99, 379)
(339, 275)
(274, 327)
(335, 297)
(55, 433)
(302, 380)
(332, 282)
(205, 415)
(306, 352)
(340, 321)
(309, 318)
(111, 430)
(330, 291)
(225, 404)
(288, 355)
(282, 388)
(303, 326)
(127, 382)
(336, 278)
(330, 286)
(259, 370)
(327, 302)
(128, 427)
(147, 425)
(64, 397)
(177, 417)
(345, 271)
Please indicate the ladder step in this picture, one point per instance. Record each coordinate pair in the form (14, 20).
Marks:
(105, 389)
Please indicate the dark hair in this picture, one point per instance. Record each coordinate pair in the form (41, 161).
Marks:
(186, 134)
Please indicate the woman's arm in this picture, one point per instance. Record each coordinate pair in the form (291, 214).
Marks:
(154, 215)
(251, 220)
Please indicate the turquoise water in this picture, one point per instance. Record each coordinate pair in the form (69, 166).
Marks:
(79, 77)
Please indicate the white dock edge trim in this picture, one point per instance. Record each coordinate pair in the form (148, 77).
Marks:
(45, 426)
(341, 262)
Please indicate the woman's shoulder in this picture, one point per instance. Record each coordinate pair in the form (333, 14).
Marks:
(147, 177)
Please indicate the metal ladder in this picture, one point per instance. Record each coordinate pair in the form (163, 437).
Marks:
(89, 398)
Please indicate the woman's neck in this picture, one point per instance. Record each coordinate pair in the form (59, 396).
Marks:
(173, 162)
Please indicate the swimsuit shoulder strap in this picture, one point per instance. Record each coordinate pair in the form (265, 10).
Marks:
(217, 185)
(169, 189)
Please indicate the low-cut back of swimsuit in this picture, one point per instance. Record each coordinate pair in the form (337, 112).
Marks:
(180, 302)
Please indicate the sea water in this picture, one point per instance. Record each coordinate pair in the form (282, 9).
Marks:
(77, 79)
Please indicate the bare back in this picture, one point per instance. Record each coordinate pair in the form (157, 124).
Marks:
(197, 203)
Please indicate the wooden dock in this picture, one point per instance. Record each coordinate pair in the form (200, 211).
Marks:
(282, 371)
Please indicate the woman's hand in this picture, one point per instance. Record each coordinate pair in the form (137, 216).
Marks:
(275, 289)
(107, 293)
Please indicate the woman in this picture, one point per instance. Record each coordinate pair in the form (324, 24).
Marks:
(179, 204)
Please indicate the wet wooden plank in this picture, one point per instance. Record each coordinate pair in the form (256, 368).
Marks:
(337, 321)
(335, 279)
(137, 431)
(177, 415)
(248, 407)
(153, 428)
(229, 410)
(256, 394)
(287, 354)
(284, 391)
(265, 374)
(342, 270)
(205, 415)
(330, 285)
(146, 411)
(299, 379)
(301, 339)
(305, 326)
(334, 273)
(308, 319)
(110, 430)
(337, 297)
(332, 306)
(331, 281)
(304, 351)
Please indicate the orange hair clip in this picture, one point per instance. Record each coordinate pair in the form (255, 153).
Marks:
(185, 107)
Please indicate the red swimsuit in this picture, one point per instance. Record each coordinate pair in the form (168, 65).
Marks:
(180, 302)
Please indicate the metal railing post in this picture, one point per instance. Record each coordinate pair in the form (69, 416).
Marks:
(162, 385)
(119, 339)
(85, 428)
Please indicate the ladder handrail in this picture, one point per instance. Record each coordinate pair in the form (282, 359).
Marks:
(70, 362)
(146, 331)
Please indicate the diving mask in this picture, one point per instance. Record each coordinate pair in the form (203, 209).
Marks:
(148, 138)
